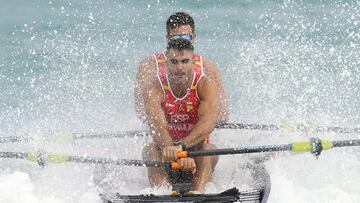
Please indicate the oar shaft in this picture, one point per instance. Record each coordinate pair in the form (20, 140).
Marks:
(339, 130)
(15, 155)
(315, 146)
(346, 143)
(241, 150)
(73, 136)
(42, 159)
(107, 161)
(246, 126)
(288, 127)
(14, 139)
(126, 162)
(134, 133)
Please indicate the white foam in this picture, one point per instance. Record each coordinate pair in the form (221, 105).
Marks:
(17, 188)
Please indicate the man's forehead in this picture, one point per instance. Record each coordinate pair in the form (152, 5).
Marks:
(177, 53)
(183, 29)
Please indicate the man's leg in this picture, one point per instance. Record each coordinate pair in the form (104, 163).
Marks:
(157, 175)
(204, 168)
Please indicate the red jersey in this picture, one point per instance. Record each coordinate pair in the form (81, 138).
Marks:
(181, 113)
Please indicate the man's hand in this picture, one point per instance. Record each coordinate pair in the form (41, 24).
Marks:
(169, 153)
(187, 164)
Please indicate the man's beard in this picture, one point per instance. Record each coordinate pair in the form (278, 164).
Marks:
(179, 77)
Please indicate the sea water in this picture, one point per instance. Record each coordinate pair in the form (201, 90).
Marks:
(70, 66)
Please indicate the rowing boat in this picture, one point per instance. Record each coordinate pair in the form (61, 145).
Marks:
(230, 195)
(182, 187)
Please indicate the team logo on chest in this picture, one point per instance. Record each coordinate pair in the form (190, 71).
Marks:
(185, 106)
(189, 106)
(180, 118)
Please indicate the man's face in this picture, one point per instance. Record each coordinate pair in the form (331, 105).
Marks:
(180, 65)
(182, 30)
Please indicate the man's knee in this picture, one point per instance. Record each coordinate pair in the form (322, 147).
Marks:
(207, 146)
(212, 159)
(151, 152)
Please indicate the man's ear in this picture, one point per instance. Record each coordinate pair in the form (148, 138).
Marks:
(194, 38)
(167, 38)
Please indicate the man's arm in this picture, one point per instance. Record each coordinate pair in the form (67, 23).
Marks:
(212, 71)
(207, 113)
(155, 114)
(146, 72)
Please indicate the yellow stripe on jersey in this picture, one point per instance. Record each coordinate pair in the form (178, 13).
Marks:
(165, 87)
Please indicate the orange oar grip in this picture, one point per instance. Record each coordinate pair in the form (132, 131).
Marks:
(175, 166)
(183, 154)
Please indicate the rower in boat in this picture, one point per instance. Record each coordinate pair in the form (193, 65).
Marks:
(182, 107)
(178, 25)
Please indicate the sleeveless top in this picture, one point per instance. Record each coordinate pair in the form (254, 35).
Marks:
(181, 113)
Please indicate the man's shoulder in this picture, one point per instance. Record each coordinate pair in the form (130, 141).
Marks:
(210, 68)
(208, 63)
(147, 67)
(149, 60)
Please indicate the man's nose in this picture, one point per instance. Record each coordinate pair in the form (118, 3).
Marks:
(179, 66)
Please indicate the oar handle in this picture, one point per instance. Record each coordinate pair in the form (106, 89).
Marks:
(175, 165)
(182, 154)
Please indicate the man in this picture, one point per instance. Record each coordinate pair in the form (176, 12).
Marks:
(182, 107)
(179, 24)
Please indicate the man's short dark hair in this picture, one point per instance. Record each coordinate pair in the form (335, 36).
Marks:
(180, 44)
(179, 19)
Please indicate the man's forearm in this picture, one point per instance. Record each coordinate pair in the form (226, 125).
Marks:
(156, 116)
(208, 115)
(162, 137)
(158, 128)
(201, 130)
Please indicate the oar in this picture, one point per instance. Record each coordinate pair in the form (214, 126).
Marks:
(246, 126)
(74, 136)
(315, 146)
(43, 158)
(288, 127)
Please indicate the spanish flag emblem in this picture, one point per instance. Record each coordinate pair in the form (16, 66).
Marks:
(189, 106)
